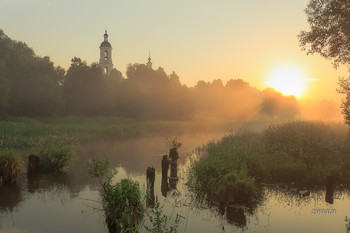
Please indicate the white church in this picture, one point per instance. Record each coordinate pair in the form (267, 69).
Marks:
(106, 56)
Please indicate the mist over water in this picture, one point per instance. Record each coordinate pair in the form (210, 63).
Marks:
(152, 108)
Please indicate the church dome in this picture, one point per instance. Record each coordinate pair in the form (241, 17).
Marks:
(105, 44)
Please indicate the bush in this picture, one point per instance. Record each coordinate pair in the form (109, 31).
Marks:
(231, 153)
(160, 223)
(10, 167)
(122, 204)
(55, 156)
(237, 187)
(100, 169)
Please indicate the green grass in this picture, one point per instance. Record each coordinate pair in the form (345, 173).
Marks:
(300, 153)
(23, 133)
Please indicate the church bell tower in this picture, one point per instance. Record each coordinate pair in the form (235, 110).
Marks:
(106, 55)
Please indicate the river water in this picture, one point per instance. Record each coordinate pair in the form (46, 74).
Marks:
(71, 202)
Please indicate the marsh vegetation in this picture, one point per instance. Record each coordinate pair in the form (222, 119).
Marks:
(298, 154)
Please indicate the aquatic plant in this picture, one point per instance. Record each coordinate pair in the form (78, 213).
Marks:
(125, 206)
(300, 153)
(122, 204)
(220, 158)
(310, 150)
(10, 166)
(238, 187)
(101, 170)
(160, 223)
(55, 155)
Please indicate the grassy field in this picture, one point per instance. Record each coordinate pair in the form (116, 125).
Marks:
(23, 133)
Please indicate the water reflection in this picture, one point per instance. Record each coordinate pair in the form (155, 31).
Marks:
(330, 185)
(165, 185)
(236, 216)
(51, 186)
(10, 197)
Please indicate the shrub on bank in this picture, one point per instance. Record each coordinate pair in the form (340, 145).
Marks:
(10, 167)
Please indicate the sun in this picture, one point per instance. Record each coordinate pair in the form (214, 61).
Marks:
(288, 79)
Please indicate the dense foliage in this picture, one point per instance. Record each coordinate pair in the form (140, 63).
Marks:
(33, 86)
(29, 85)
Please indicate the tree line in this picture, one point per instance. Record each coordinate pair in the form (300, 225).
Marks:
(33, 86)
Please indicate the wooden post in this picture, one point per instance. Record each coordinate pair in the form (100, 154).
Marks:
(165, 168)
(150, 176)
(330, 185)
(174, 156)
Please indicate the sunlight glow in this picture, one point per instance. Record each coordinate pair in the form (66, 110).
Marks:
(289, 80)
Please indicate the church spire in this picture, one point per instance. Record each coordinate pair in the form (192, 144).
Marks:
(149, 63)
(106, 36)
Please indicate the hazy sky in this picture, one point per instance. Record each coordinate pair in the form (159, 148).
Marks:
(198, 39)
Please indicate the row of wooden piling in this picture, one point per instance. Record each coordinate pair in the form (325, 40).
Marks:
(168, 183)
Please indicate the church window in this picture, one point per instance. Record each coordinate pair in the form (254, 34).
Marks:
(106, 55)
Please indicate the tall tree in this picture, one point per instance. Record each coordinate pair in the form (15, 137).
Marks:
(329, 33)
(329, 36)
(83, 88)
(27, 82)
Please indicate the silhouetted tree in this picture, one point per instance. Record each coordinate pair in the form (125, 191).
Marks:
(154, 94)
(345, 89)
(28, 83)
(329, 36)
(5, 88)
(236, 101)
(83, 88)
(329, 33)
(277, 106)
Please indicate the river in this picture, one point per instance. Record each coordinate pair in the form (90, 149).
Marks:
(71, 202)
